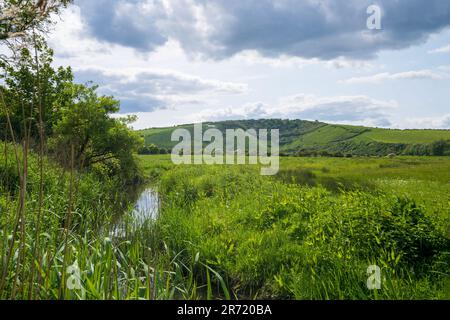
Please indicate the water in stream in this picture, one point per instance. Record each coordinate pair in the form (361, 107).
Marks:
(146, 208)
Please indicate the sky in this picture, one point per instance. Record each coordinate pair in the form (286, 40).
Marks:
(182, 61)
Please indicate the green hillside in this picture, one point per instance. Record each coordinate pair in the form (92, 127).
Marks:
(299, 137)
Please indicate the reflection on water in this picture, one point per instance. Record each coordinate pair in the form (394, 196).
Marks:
(146, 208)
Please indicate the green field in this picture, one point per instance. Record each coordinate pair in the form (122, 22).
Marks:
(310, 137)
(405, 136)
(334, 133)
(312, 231)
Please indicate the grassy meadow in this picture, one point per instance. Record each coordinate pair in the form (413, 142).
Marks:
(312, 231)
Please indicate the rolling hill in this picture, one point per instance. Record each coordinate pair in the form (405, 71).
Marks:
(300, 137)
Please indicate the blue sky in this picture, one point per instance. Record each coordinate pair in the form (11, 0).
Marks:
(182, 61)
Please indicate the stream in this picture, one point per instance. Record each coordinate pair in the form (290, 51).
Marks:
(146, 208)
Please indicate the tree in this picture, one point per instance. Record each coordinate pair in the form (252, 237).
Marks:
(440, 148)
(43, 104)
(19, 17)
(33, 88)
(85, 123)
(153, 149)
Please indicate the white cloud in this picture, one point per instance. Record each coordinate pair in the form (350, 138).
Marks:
(69, 36)
(253, 57)
(352, 110)
(442, 122)
(407, 75)
(445, 49)
(255, 110)
(444, 68)
(147, 90)
(361, 110)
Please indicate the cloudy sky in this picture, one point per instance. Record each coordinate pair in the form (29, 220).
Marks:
(183, 61)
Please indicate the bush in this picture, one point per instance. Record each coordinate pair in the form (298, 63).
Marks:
(298, 176)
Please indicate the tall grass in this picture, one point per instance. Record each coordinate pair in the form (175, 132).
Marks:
(222, 233)
(77, 222)
(272, 239)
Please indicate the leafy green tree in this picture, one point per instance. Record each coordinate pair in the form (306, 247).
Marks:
(43, 104)
(32, 89)
(86, 125)
(440, 148)
(143, 150)
(153, 149)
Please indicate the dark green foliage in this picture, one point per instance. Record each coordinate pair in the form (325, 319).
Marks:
(44, 104)
(98, 139)
(151, 150)
(26, 94)
(440, 148)
(298, 176)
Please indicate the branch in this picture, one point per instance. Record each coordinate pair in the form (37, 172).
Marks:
(90, 162)
(18, 18)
